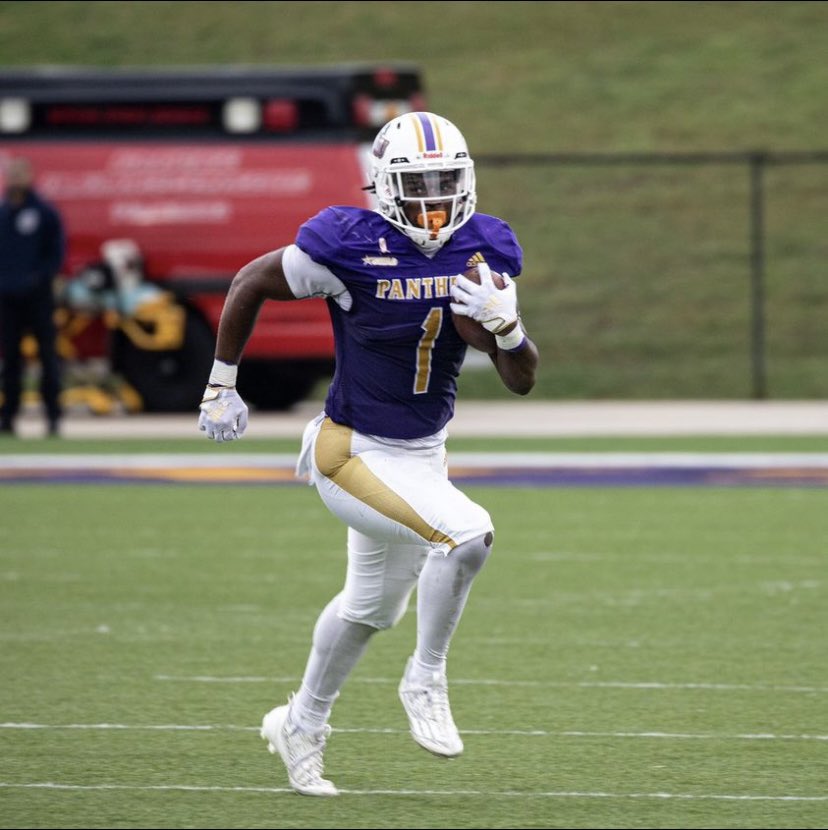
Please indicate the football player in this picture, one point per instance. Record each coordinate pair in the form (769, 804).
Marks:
(393, 282)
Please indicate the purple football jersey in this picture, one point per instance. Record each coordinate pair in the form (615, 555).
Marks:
(398, 354)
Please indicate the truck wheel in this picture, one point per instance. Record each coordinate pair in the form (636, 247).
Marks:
(277, 385)
(168, 381)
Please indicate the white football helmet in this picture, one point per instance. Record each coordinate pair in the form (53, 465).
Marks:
(423, 178)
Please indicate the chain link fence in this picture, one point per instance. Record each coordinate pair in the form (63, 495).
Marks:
(698, 275)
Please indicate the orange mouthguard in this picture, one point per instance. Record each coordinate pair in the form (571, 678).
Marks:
(433, 220)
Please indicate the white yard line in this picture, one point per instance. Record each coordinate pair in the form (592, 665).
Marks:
(468, 460)
(51, 785)
(608, 684)
(149, 461)
(529, 733)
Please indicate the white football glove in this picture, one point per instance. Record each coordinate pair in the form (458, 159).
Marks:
(223, 414)
(494, 308)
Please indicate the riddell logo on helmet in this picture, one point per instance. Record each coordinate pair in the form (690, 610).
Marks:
(432, 155)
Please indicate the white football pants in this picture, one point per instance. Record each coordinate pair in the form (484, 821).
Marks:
(399, 505)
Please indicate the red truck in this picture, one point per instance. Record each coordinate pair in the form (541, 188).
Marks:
(169, 181)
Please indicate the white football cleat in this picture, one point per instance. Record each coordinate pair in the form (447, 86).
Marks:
(300, 751)
(429, 714)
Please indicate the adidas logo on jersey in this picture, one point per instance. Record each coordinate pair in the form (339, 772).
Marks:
(475, 259)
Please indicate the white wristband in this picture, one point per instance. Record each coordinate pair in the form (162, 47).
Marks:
(512, 341)
(223, 374)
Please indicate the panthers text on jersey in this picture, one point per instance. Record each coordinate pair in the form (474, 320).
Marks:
(398, 354)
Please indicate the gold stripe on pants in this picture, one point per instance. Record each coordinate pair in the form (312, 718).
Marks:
(335, 462)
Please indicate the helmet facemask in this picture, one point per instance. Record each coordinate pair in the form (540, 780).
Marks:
(429, 205)
(427, 195)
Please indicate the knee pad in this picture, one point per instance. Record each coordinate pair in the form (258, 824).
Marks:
(474, 553)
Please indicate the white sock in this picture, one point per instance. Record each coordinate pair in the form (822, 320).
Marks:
(337, 646)
(420, 671)
(442, 591)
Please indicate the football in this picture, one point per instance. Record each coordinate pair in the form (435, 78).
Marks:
(470, 330)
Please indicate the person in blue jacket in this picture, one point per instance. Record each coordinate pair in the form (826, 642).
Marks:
(32, 247)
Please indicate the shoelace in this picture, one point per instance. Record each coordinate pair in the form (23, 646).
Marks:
(309, 759)
(438, 697)
(436, 703)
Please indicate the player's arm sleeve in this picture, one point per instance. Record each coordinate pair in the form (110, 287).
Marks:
(503, 251)
(511, 251)
(307, 278)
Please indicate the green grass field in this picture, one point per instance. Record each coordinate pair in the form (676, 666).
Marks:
(636, 280)
(629, 658)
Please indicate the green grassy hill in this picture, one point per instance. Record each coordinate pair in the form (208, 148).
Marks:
(519, 76)
(636, 279)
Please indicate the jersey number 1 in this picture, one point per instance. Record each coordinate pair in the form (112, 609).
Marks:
(431, 327)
